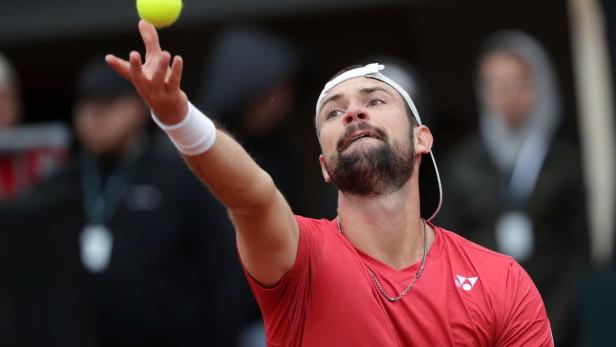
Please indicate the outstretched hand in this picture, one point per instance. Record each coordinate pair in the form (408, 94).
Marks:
(156, 81)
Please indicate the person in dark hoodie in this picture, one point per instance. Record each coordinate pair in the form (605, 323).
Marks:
(516, 186)
(141, 239)
(256, 109)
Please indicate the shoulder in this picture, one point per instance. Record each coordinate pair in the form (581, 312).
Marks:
(314, 233)
(312, 224)
(315, 229)
(508, 291)
(477, 253)
(495, 270)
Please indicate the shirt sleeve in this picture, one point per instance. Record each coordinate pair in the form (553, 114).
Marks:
(284, 305)
(525, 320)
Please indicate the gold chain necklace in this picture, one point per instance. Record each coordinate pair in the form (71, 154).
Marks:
(415, 278)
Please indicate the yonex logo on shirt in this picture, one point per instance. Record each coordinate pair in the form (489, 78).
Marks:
(467, 283)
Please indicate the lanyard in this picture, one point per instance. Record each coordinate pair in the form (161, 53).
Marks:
(527, 168)
(101, 200)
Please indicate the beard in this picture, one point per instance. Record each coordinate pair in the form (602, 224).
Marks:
(373, 171)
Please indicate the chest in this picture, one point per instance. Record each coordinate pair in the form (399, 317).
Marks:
(348, 309)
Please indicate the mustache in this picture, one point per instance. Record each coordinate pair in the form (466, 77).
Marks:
(344, 141)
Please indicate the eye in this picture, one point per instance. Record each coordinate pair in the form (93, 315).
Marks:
(334, 113)
(375, 102)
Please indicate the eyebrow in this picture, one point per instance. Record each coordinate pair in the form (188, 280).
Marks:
(369, 90)
(374, 89)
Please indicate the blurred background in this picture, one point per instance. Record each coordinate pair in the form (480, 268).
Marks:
(106, 239)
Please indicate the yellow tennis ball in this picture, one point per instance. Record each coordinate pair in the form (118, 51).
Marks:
(161, 13)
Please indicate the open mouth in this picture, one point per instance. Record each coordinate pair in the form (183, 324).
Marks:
(358, 136)
(358, 132)
(361, 136)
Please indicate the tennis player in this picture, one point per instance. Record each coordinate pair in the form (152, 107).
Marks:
(378, 274)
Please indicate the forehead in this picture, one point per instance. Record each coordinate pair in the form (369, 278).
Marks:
(507, 61)
(355, 85)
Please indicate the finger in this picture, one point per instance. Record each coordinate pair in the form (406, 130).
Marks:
(161, 70)
(120, 66)
(173, 82)
(150, 38)
(136, 72)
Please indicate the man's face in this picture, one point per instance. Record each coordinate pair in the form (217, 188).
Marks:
(507, 88)
(366, 138)
(107, 127)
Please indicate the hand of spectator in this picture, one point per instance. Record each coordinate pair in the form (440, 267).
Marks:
(157, 82)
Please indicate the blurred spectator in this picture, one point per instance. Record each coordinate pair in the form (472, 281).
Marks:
(28, 153)
(516, 186)
(250, 87)
(140, 253)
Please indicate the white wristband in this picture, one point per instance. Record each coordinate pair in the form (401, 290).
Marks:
(194, 135)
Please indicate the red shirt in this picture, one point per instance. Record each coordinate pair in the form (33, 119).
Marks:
(466, 296)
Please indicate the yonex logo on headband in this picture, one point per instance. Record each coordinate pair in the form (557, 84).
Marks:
(369, 71)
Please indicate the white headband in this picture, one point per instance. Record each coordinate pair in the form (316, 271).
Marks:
(368, 71)
(373, 71)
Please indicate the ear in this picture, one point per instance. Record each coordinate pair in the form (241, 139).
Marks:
(422, 139)
(324, 169)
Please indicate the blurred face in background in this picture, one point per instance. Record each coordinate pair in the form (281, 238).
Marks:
(9, 106)
(264, 115)
(109, 126)
(507, 88)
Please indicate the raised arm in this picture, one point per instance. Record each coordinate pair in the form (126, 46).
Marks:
(267, 233)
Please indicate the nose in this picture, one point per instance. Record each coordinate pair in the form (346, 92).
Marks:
(354, 113)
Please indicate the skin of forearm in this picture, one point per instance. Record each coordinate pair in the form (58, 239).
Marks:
(267, 233)
(233, 176)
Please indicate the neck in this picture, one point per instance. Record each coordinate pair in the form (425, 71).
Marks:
(386, 227)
